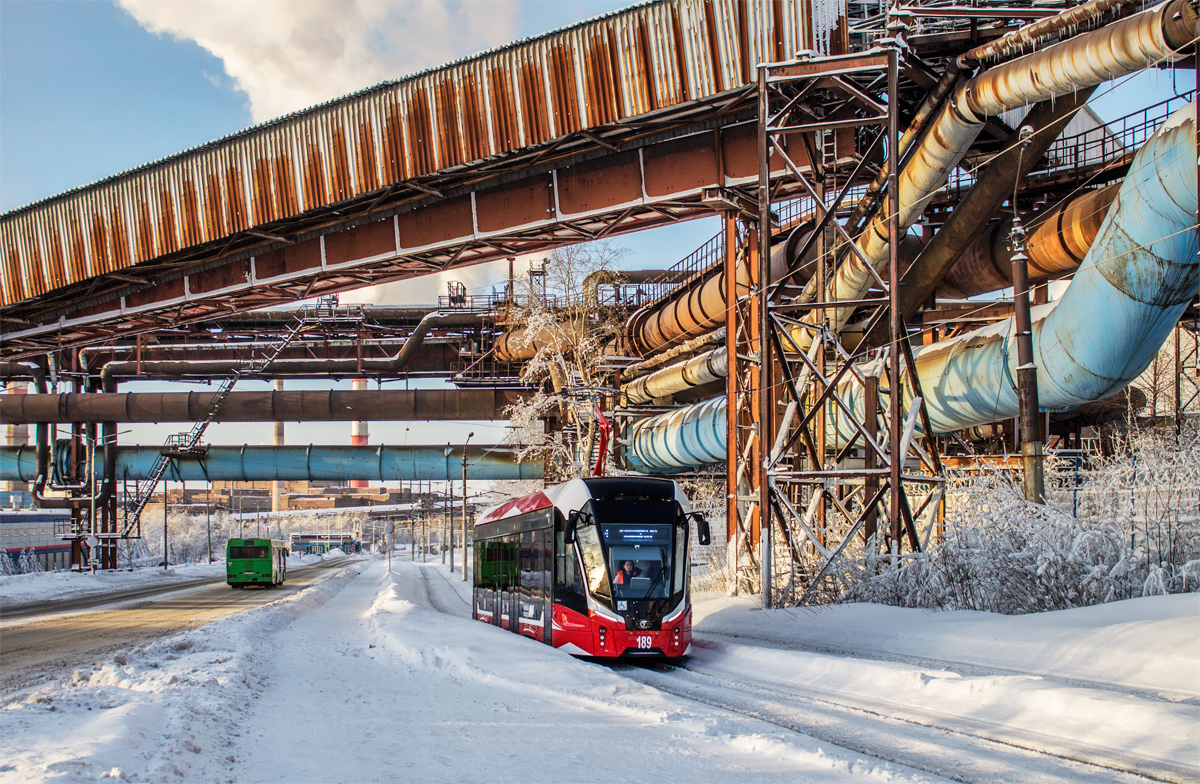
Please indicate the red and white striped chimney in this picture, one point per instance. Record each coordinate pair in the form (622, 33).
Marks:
(359, 433)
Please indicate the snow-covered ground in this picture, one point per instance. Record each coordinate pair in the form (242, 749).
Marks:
(378, 676)
(49, 586)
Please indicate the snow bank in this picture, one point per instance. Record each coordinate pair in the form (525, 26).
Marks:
(23, 588)
(1147, 643)
(164, 712)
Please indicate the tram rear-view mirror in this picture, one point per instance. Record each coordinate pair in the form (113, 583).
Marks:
(702, 532)
(572, 523)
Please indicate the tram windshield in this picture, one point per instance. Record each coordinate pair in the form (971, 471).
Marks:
(643, 557)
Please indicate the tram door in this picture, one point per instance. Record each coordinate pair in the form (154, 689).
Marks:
(509, 585)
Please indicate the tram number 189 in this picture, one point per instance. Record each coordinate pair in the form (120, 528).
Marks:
(644, 641)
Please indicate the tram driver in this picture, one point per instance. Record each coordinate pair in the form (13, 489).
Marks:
(627, 573)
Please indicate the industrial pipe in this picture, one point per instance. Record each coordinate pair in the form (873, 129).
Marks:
(1056, 245)
(698, 306)
(295, 368)
(294, 406)
(681, 439)
(294, 463)
(1136, 280)
(519, 345)
(1123, 47)
(703, 369)
(1021, 41)
(992, 187)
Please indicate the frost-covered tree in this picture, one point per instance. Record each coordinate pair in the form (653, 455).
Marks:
(1115, 527)
(563, 315)
(29, 563)
(1158, 382)
(8, 566)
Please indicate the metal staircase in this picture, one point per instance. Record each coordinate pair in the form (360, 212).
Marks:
(188, 444)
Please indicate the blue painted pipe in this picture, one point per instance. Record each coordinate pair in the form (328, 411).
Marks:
(313, 463)
(1129, 292)
(687, 437)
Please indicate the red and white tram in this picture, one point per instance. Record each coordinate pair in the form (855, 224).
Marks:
(597, 567)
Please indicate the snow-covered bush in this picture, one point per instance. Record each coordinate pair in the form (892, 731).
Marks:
(28, 563)
(1114, 528)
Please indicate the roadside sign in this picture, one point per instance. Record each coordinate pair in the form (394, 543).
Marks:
(390, 528)
(92, 540)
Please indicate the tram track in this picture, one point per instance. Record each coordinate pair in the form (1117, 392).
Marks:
(956, 748)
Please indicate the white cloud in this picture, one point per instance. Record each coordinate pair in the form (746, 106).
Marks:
(287, 55)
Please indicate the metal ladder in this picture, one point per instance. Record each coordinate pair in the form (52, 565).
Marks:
(188, 444)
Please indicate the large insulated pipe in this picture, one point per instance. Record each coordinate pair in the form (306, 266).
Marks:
(681, 439)
(698, 306)
(1136, 280)
(703, 369)
(1123, 47)
(297, 463)
(1057, 242)
(295, 406)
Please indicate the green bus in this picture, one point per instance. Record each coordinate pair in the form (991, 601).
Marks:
(255, 562)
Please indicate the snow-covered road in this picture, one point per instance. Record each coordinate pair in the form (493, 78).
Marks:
(372, 676)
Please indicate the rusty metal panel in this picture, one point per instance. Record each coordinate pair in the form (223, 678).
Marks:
(607, 70)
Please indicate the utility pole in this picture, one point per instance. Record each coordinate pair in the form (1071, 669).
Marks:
(166, 558)
(208, 518)
(1027, 390)
(464, 513)
(448, 523)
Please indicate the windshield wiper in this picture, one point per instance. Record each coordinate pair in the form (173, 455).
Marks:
(654, 584)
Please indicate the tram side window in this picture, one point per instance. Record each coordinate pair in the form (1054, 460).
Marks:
(593, 561)
(528, 565)
(496, 563)
(681, 556)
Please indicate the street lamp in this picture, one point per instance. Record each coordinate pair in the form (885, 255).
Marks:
(464, 514)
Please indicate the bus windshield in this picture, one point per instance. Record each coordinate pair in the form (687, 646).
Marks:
(639, 536)
(249, 552)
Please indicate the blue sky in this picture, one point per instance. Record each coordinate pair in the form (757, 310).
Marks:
(88, 90)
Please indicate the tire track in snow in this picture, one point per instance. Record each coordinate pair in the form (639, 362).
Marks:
(431, 592)
(937, 748)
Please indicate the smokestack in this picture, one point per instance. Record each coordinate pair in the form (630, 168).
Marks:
(16, 435)
(277, 487)
(359, 434)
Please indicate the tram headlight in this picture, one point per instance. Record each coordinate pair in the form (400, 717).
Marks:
(603, 637)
